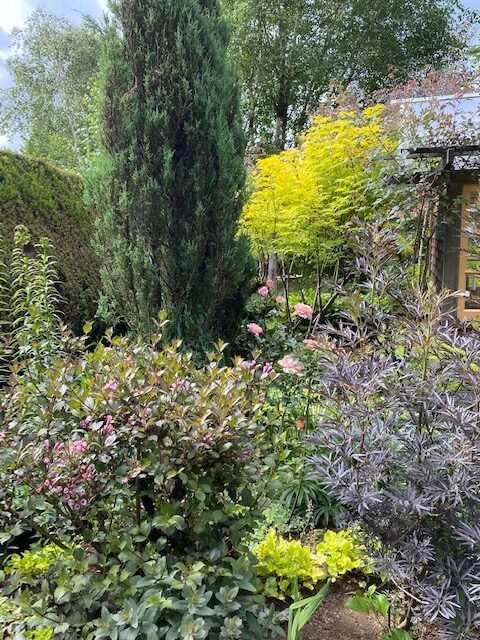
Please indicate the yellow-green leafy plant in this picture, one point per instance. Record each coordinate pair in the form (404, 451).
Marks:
(303, 198)
(288, 566)
(32, 564)
(341, 552)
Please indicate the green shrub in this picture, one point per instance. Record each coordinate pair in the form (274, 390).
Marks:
(288, 566)
(49, 202)
(146, 470)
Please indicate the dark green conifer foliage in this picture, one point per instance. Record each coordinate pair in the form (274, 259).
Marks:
(169, 186)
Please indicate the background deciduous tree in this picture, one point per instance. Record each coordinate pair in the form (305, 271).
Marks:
(290, 51)
(52, 67)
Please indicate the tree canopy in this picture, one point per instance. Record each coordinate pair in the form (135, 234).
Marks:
(290, 51)
(52, 67)
(304, 197)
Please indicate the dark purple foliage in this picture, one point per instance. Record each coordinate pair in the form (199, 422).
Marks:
(400, 436)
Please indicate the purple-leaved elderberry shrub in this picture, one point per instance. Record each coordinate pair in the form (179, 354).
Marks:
(400, 438)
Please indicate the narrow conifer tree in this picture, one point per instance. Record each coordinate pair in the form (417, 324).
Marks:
(168, 187)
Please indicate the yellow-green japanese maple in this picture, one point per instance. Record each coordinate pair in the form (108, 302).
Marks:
(303, 198)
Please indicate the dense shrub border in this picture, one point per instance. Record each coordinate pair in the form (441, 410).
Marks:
(48, 201)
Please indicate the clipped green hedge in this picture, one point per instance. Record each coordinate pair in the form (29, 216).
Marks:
(48, 201)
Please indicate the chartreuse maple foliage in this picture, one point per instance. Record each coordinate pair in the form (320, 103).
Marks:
(303, 198)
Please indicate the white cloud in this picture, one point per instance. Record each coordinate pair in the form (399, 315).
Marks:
(4, 142)
(13, 13)
(103, 5)
(5, 53)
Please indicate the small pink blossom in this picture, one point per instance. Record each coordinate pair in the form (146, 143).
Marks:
(125, 480)
(246, 364)
(304, 311)
(46, 461)
(312, 345)
(254, 329)
(267, 369)
(83, 502)
(3, 435)
(108, 429)
(290, 365)
(178, 385)
(78, 446)
(46, 444)
(263, 291)
(270, 284)
(280, 300)
(38, 489)
(111, 386)
(137, 470)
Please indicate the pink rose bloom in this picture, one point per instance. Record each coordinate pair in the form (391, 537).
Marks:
(280, 300)
(290, 365)
(304, 311)
(254, 329)
(312, 345)
(270, 284)
(263, 291)
(111, 386)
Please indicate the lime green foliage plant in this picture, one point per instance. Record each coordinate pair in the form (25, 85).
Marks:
(303, 198)
(32, 564)
(49, 203)
(288, 566)
(341, 552)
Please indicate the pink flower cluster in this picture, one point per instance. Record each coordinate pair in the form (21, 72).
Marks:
(312, 345)
(178, 385)
(246, 364)
(266, 288)
(67, 472)
(111, 386)
(108, 429)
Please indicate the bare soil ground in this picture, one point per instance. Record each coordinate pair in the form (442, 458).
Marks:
(333, 621)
